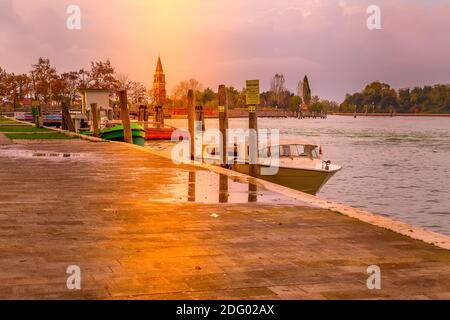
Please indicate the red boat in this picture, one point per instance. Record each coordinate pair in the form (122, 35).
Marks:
(156, 131)
(163, 134)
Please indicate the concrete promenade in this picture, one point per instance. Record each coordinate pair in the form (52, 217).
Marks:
(140, 227)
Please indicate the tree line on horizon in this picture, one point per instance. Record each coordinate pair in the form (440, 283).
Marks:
(45, 84)
(379, 97)
(277, 97)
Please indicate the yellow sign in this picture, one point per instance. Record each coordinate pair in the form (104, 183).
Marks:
(35, 103)
(221, 108)
(252, 92)
(251, 108)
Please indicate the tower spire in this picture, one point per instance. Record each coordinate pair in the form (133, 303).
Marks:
(159, 68)
(159, 84)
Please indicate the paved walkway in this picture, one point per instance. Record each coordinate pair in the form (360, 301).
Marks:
(4, 140)
(141, 228)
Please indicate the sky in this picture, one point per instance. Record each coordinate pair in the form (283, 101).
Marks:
(228, 42)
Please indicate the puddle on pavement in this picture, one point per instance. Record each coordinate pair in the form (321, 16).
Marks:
(16, 153)
(208, 187)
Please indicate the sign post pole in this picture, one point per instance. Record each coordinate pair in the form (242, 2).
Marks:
(252, 100)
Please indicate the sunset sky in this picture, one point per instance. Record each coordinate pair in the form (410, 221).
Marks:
(225, 41)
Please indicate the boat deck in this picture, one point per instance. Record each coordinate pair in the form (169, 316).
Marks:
(140, 227)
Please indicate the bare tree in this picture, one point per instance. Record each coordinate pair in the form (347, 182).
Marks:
(138, 92)
(277, 87)
(123, 81)
(300, 89)
(43, 76)
(180, 91)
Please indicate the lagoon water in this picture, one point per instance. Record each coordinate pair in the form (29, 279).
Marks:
(398, 167)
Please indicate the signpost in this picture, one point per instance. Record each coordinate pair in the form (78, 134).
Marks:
(252, 100)
(37, 113)
(252, 93)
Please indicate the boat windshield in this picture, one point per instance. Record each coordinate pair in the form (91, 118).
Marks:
(293, 150)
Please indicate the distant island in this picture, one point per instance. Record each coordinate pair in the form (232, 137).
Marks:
(379, 97)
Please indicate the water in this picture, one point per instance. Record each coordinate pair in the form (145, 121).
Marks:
(207, 187)
(398, 167)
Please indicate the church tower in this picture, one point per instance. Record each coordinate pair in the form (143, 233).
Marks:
(159, 85)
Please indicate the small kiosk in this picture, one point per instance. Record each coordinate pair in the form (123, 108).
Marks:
(101, 98)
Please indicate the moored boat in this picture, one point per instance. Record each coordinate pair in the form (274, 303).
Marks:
(115, 133)
(299, 165)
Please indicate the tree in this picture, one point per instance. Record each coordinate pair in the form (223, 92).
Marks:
(66, 86)
(278, 89)
(3, 76)
(43, 76)
(102, 76)
(14, 88)
(123, 82)
(138, 92)
(376, 97)
(306, 94)
(181, 90)
(300, 89)
(233, 97)
(208, 96)
(294, 102)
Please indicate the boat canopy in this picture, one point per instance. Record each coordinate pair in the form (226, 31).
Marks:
(292, 150)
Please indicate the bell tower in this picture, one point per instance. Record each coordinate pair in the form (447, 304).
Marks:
(159, 85)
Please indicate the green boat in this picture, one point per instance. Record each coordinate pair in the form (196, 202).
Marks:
(115, 133)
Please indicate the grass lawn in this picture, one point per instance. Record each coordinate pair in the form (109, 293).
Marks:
(38, 136)
(22, 129)
(3, 120)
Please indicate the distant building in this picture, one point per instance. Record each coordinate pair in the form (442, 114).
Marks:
(159, 85)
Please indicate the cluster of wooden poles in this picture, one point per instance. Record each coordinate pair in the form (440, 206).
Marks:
(196, 117)
(196, 121)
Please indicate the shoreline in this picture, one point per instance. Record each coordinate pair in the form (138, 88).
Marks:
(389, 115)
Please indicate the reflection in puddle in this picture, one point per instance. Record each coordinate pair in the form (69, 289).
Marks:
(210, 188)
(15, 153)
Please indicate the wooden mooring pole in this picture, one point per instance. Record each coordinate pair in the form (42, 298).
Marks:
(200, 119)
(145, 116)
(95, 119)
(191, 120)
(67, 122)
(253, 140)
(223, 123)
(141, 113)
(125, 116)
(159, 117)
(199, 130)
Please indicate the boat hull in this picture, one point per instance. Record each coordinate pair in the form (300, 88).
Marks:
(162, 134)
(137, 140)
(305, 180)
(116, 134)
